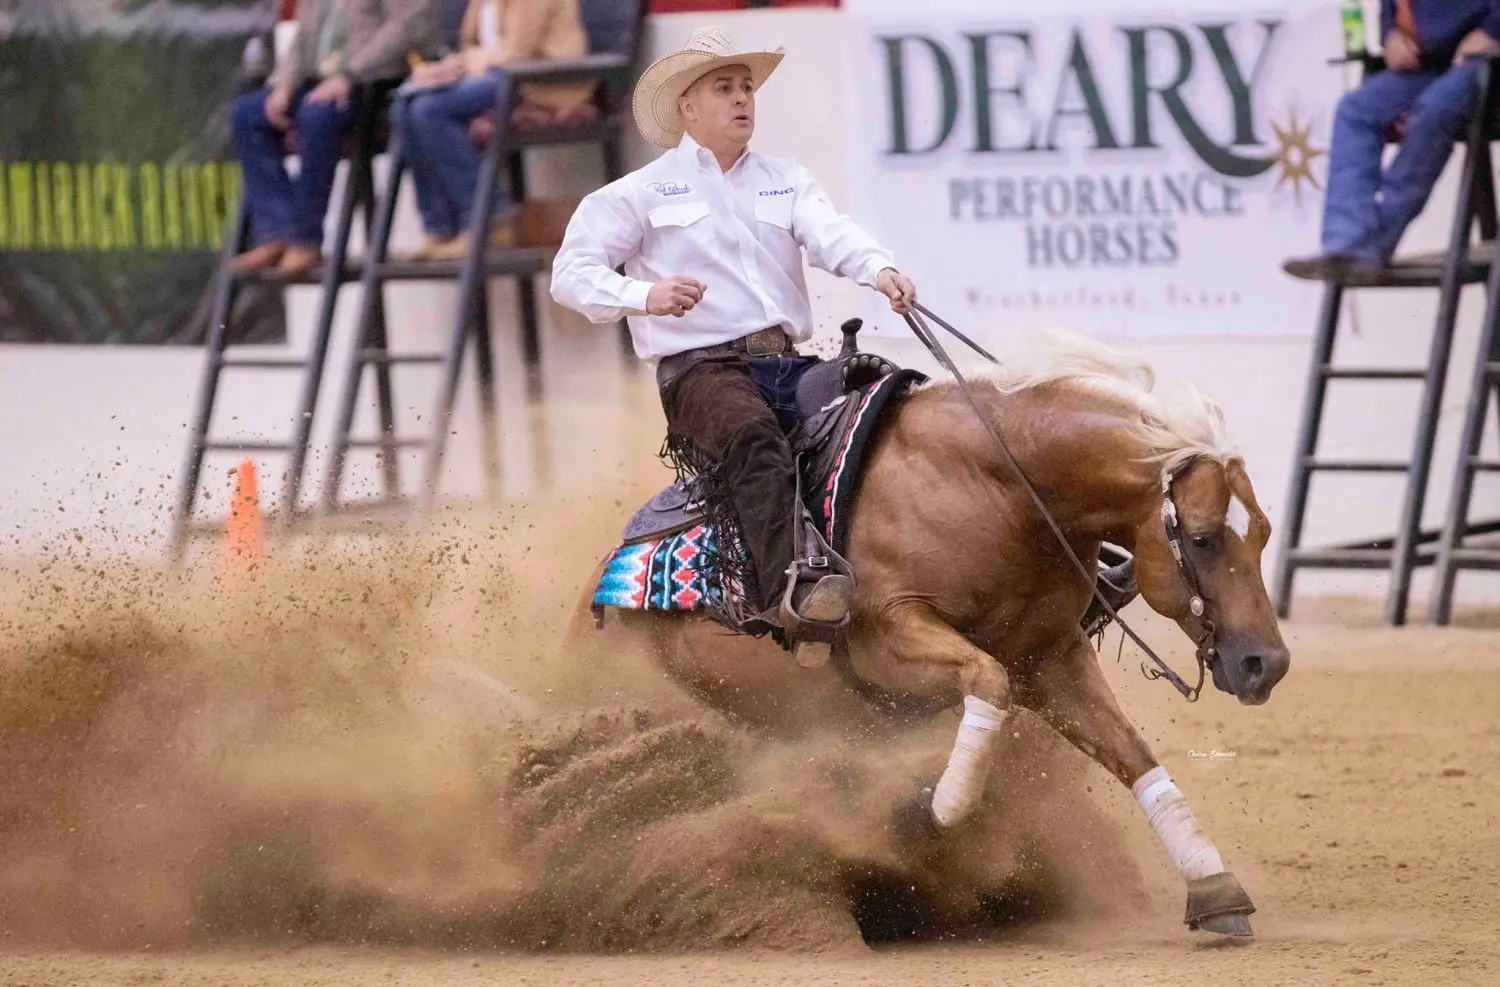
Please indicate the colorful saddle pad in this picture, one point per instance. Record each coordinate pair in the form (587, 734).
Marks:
(664, 572)
(665, 560)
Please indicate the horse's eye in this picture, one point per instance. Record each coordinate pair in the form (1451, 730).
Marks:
(1200, 541)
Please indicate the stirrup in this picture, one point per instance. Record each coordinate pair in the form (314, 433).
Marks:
(1116, 583)
(817, 564)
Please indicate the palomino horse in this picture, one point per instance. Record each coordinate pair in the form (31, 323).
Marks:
(964, 596)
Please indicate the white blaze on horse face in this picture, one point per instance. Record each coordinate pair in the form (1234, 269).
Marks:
(1237, 518)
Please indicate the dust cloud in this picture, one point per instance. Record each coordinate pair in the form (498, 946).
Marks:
(403, 744)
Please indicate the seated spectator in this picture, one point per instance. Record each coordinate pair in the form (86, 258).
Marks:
(451, 102)
(340, 43)
(1429, 89)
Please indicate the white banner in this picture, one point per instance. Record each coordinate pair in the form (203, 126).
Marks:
(1129, 170)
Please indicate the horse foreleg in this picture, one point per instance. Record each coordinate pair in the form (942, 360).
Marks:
(924, 655)
(1070, 693)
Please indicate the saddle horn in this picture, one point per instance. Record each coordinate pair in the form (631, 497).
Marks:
(850, 329)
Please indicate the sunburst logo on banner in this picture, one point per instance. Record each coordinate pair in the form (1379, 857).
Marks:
(1295, 155)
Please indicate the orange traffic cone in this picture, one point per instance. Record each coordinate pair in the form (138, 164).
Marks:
(244, 535)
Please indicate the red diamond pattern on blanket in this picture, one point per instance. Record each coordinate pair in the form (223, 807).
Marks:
(687, 597)
(665, 573)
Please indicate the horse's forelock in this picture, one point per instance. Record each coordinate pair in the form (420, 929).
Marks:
(1184, 425)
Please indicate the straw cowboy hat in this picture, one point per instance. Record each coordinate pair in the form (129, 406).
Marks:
(662, 84)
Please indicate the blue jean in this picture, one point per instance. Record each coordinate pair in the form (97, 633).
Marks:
(434, 127)
(1366, 210)
(281, 207)
(777, 377)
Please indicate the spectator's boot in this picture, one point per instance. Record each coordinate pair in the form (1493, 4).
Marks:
(1337, 268)
(430, 249)
(298, 260)
(260, 258)
(502, 237)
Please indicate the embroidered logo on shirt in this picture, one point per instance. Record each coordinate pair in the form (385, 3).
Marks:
(670, 188)
(778, 191)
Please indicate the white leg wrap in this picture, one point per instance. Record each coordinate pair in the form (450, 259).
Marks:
(963, 780)
(1168, 812)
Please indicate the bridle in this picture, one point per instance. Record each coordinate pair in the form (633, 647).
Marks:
(1206, 640)
(1207, 651)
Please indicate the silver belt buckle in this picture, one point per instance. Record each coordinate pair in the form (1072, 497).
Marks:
(766, 342)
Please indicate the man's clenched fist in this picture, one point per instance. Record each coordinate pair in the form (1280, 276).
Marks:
(675, 295)
(898, 288)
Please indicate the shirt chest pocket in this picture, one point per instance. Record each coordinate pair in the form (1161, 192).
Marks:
(678, 215)
(775, 210)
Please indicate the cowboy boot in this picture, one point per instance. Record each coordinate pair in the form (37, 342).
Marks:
(825, 601)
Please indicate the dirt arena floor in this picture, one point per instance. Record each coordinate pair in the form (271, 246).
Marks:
(381, 767)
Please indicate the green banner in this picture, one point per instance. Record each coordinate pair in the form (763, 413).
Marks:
(116, 177)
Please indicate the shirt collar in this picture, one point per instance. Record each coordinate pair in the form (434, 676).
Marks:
(701, 156)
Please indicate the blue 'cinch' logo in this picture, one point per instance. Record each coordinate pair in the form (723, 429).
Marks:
(670, 188)
(778, 191)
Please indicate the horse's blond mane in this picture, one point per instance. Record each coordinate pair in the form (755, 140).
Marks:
(1174, 427)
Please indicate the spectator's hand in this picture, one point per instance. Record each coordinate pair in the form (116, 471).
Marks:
(530, 116)
(675, 295)
(899, 288)
(1401, 51)
(476, 60)
(334, 89)
(482, 129)
(278, 107)
(441, 73)
(1476, 44)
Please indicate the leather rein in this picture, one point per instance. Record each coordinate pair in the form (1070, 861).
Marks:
(1207, 650)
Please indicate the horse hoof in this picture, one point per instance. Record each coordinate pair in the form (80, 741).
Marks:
(1232, 924)
(1218, 903)
(912, 822)
(811, 654)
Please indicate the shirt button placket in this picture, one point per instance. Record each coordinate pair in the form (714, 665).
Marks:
(747, 254)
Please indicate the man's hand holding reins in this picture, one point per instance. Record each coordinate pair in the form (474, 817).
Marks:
(899, 288)
(675, 295)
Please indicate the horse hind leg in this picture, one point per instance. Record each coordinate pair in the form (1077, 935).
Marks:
(923, 655)
(1071, 694)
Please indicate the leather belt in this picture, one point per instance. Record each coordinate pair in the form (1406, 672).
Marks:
(764, 342)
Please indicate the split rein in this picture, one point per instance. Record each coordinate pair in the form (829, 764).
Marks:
(1206, 649)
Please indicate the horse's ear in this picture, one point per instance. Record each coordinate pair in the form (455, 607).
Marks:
(1239, 483)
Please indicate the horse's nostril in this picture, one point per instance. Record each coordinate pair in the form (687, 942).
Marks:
(1254, 668)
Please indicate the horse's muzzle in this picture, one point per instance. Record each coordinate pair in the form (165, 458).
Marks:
(1249, 674)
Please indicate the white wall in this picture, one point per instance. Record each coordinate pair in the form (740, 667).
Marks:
(93, 437)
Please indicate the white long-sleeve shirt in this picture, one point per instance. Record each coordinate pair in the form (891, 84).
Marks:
(740, 232)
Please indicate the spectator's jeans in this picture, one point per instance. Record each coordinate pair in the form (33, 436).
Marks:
(282, 207)
(1366, 210)
(444, 161)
